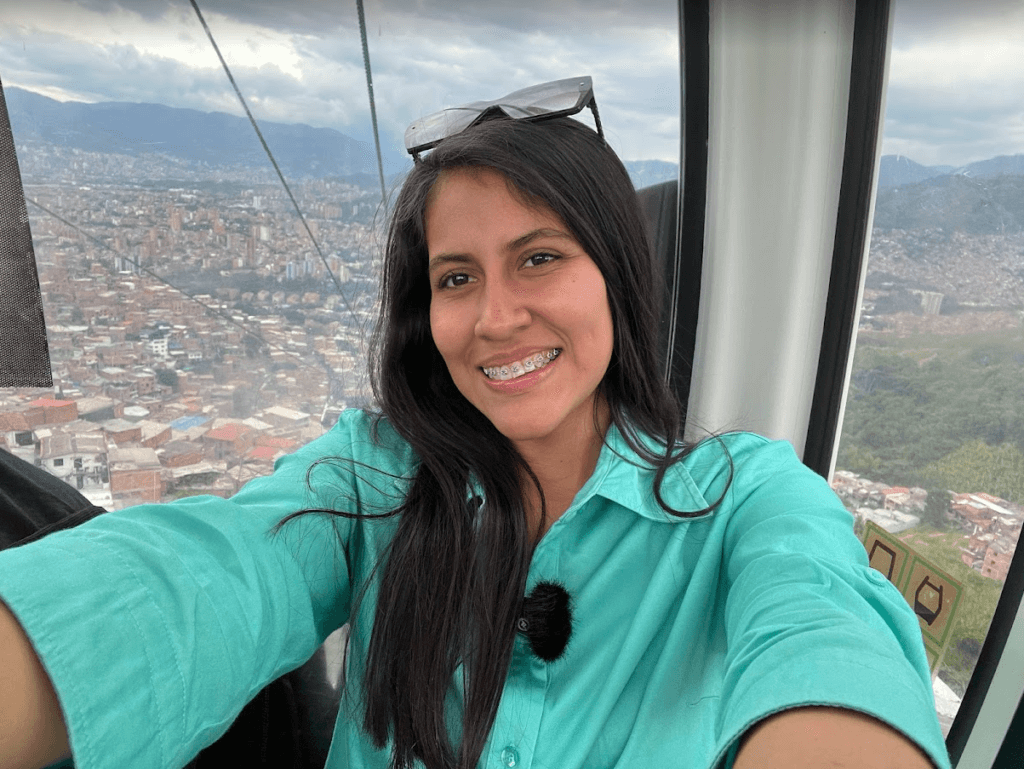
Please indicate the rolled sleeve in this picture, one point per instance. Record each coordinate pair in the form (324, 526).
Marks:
(158, 623)
(808, 621)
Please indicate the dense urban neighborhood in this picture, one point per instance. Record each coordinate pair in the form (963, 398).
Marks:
(194, 335)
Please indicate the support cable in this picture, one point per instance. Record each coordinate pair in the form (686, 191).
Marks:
(273, 162)
(373, 105)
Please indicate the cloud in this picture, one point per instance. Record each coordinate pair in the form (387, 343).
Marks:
(955, 73)
(955, 81)
(301, 61)
(929, 20)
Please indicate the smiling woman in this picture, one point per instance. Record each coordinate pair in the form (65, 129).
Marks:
(512, 289)
(536, 569)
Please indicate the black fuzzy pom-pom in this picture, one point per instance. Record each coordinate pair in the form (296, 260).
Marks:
(547, 620)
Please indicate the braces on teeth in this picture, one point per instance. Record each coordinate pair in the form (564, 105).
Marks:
(525, 366)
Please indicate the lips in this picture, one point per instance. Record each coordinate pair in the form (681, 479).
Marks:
(518, 368)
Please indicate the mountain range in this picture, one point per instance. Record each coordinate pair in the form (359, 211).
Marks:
(985, 197)
(897, 170)
(200, 139)
(208, 140)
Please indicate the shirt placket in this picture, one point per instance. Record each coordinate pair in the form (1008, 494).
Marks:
(514, 739)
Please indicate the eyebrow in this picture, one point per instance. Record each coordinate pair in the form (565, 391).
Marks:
(513, 245)
(543, 232)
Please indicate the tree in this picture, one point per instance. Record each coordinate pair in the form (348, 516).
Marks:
(858, 459)
(976, 466)
(936, 507)
(167, 377)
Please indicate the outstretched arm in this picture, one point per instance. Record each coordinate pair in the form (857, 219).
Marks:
(827, 738)
(32, 731)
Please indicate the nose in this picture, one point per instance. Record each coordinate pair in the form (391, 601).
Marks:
(502, 309)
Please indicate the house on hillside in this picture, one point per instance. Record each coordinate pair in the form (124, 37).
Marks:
(229, 441)
(80, 460)
(994, 528)
(135, 476)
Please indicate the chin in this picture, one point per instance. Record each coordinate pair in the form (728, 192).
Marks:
(520, 426)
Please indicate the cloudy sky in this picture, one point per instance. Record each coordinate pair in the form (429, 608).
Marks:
(301, 60)
(956, 83)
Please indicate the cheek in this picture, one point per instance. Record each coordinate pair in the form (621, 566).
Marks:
(444, 329)
(604, 330)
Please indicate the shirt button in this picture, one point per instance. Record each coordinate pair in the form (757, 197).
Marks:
(510, 756)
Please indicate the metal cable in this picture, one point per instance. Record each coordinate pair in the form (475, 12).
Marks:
(273, 162)
(373, 105)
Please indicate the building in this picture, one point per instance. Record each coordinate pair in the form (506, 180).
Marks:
(229, 441)
(281, 417)
(80, 460)
(994, 526)
(996, 563)
(154, 434)
(122, 431)
(134, 476)
(180, 454)
(893, 521)
(54, 412)
(99, 409)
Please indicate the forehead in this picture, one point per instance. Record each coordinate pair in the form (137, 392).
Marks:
(479, 202)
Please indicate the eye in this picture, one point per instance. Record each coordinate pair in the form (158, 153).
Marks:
(542, 258)
(454, 280)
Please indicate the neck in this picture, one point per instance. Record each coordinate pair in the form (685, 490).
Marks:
(562, 464)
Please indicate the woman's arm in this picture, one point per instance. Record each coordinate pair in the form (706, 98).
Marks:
(32, 731)
(827, 738)
(809, 623)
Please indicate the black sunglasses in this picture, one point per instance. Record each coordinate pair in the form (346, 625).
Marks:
(558, 98)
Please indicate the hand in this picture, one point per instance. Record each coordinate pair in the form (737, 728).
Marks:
(827, 738)
(32, 731)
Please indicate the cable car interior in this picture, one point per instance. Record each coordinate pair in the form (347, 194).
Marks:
(194, 195)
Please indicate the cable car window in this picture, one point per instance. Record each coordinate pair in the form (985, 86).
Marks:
(931, 456)
(207, 306)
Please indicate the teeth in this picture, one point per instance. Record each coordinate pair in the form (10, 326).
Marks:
(518, 368)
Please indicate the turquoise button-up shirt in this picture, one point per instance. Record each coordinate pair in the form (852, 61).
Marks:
(157, 623)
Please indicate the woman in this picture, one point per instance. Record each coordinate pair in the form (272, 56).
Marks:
(535, 572)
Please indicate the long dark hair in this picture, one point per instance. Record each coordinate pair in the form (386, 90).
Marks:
(454, 578)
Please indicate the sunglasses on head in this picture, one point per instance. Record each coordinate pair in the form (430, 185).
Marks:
(558, 98)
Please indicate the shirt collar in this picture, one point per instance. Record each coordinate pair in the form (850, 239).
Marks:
(621, 476)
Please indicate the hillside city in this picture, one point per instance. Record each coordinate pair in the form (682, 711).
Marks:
(160, 392)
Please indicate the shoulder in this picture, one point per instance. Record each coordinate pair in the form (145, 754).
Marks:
(741, 448)
(360, 463)
(361, 435)
(732, 465)
(705, 473)
(362, 445)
